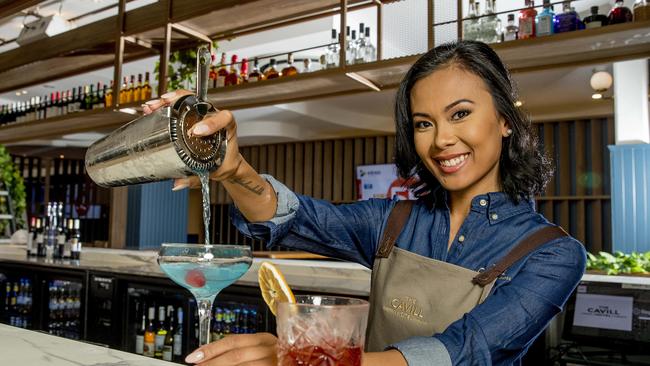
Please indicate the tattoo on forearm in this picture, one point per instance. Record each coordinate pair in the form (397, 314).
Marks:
(257, 189)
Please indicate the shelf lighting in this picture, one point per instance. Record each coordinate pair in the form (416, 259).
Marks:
(128, 110)
(356, 77)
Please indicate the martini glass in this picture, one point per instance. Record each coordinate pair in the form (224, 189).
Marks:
(204, 270)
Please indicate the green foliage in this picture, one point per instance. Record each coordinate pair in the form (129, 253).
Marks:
(181, 69)
(619, 262)
(12, 180)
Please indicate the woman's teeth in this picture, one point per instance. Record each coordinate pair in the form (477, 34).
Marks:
(453, 162)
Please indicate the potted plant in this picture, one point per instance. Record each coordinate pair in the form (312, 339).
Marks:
(11, 180)
(619, 263)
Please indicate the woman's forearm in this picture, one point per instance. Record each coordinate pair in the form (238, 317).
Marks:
(392, 357)
(253, 195)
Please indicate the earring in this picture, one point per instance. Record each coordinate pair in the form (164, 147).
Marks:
(509, 131)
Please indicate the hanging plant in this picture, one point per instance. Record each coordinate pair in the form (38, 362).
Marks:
(181, 69)
(13, 182)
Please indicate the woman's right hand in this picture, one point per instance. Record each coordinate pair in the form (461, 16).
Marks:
(211, 124)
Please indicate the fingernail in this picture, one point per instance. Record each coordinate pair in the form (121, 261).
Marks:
(168, 95)
(179, 186)
(200, 129)
(152, 102)
(194, 357)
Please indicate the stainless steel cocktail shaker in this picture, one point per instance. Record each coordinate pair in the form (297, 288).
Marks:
(157, 146)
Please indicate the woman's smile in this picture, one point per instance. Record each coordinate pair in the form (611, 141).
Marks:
(452, 163)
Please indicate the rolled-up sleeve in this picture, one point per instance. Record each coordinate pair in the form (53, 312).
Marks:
(500, 330)
(348, 231)
(423, 351)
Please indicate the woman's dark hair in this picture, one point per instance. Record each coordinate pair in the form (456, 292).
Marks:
(524, 168)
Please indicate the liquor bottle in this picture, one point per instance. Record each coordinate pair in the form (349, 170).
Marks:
(212, 83)
(361, 45)
(545, 20)
(347, 45)
(80, 98)
(233, 78)
(50, 231)
(353, 49)
(222, 73)
(178, 336)
(102, 99)
(306, 65)
(69, 108)
(139, 337)
(150, 335)
(255, 75)
(87, 103)
(40, 239)
(67, 249)
(146, 88)
(98, 97)
(567, 21)
(332, 54)
(471, 23)
(161, 333)
(31, 238)
(641, 10)
(595, 20)
(137, 92)
(619, 13)
(125, 85)
(290, 70)
(369, 49)
(244, 70)
(271, 72)
(512, 31)
(527, 20)
(490, 25)
(108, 97)
(130, 92)
(75, 241)
(60, 232)
(168, 346)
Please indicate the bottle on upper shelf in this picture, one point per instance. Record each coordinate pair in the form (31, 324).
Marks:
(146, 88)
(489, 28)
(595, 20)
(544, 22)
(641, 10)
(471, 23)
(331, 56)
(271, 72)
(233, 78)
(527, 18)
(290, 69)
(619, 13)
(255, 75)
(568, 20)
(222, 73)
(511, 31)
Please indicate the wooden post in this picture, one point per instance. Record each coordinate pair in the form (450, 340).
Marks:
(117, 218)
(459, 19)
(342, 40)
(164, 61)
(430, 33)
(119, 53)
(380, 27)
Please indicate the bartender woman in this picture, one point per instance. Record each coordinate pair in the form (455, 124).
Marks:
(483, 270)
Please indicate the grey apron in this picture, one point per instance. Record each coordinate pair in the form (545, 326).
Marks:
(412, 295)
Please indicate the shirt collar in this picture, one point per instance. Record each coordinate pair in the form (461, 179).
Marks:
(496, 206)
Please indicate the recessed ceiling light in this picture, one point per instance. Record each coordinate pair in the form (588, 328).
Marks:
(596, 96)
(61, 156)
(24, 92)
(18, 93)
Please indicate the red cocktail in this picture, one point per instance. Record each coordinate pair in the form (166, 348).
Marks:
(321, 331)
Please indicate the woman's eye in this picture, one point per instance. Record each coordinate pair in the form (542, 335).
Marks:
(460, 114)
(422, 124)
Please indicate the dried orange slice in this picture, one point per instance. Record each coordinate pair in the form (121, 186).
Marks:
(274, 286)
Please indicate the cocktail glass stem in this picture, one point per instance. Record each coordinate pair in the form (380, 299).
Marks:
(205, 313)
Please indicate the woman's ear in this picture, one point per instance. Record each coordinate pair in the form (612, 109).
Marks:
(506, 131)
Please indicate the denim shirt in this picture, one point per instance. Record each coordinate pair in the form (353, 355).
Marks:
(497, 332)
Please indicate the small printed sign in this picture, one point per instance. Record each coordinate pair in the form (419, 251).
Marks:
(603, 311)
(381, 181)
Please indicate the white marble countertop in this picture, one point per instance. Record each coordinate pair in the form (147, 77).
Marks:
(29, 348)
(307, 275)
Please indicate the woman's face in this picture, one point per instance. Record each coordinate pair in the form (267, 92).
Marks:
(457, 130)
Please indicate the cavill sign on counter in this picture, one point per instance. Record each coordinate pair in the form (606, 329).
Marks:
(381, 181)
(604, 311)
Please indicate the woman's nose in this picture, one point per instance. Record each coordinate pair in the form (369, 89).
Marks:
(444, 136)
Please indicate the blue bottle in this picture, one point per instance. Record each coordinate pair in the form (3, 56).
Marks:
(567, 21)
(545, 20)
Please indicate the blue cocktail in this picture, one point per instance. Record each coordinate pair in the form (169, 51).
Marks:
(204, 270)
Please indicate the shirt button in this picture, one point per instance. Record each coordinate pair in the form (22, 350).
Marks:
(482, 203)
(461, 238)
(494, 216)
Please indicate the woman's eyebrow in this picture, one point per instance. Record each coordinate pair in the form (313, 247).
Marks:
(452, 105)
(420, 114)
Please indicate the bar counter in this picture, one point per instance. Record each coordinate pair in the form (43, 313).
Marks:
(30, 348)
(307, 275)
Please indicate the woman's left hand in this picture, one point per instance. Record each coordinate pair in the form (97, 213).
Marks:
(258, 349)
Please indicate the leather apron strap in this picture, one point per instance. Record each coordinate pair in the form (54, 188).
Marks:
(525, 246)
(396, 220)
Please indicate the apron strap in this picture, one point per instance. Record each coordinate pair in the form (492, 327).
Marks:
(396, 220)
(525, 246)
